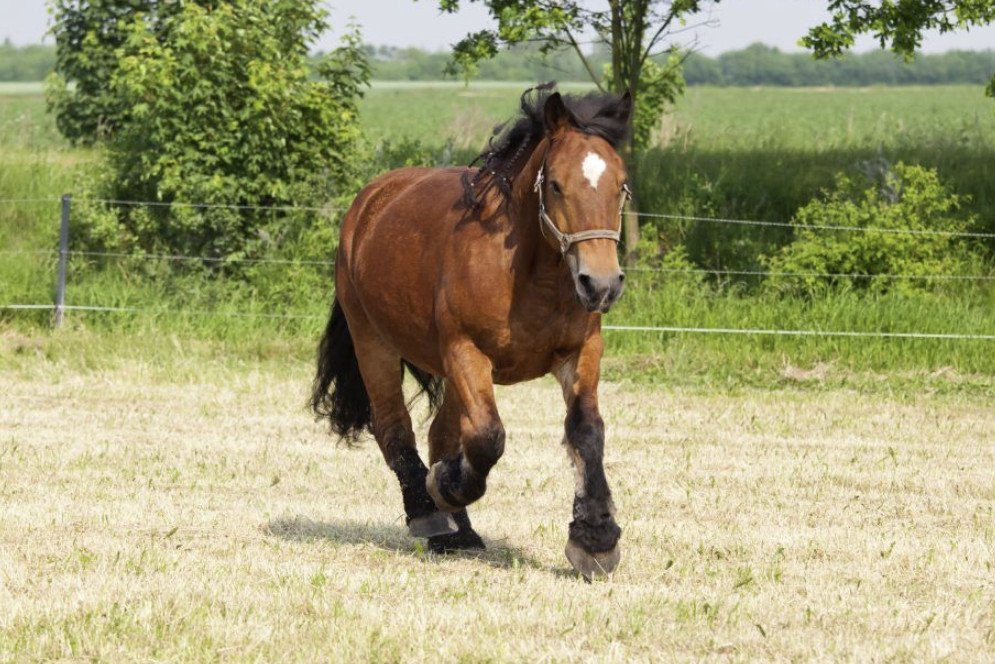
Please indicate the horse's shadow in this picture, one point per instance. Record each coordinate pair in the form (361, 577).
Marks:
(393, 538)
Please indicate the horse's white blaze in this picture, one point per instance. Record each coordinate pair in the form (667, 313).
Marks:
(593, 167)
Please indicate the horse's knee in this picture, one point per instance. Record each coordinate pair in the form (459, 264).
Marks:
(483, 446)
(585, 430)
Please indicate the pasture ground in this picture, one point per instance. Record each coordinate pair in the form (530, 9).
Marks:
(173, 512)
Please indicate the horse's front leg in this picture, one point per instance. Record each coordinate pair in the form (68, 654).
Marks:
(459, 480)
(592, 546)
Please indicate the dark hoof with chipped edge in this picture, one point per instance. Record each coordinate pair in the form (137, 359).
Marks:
(464, 540)
(431, 525)
(590, 565)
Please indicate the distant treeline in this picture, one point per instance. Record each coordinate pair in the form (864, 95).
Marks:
(763, 65)
(754, 65)
(25, 63)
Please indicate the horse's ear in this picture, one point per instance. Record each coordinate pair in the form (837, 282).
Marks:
(625, 106)
(556, 114)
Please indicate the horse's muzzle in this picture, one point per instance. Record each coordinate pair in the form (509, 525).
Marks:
(599, 292)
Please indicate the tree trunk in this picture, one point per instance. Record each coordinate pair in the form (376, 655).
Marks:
(630, 225)
(627, 41)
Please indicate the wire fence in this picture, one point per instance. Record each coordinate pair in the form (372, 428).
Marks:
(649, 215)
(64, 254)
(660, 329)
(636, 269)
(818, 227)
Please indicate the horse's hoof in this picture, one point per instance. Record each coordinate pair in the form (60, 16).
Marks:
(436, 523)
(464, 540)
(432, 486)
(590, 565)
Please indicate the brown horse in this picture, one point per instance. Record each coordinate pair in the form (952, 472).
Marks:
(471, 277)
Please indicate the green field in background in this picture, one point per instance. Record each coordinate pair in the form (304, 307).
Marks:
(804, 118)
(754, 153)
(814, 119)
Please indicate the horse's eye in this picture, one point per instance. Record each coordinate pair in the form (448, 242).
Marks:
(556, 187)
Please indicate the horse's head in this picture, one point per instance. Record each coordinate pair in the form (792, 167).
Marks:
(582, 187)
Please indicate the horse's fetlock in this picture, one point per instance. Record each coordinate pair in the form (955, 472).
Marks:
(594, 527)
(408, 466)
(594, 518)
(595, 536)
(454, 484)
(411, 473)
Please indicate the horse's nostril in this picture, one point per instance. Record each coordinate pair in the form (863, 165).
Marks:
(621, 277)
(586, 283)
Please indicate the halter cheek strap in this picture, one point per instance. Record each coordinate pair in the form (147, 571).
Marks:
(566, 240)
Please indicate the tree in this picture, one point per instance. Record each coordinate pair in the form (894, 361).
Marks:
(634, 31)
(896, 25)
(88, 34)
(221, 108)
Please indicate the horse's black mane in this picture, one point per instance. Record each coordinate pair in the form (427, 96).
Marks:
(594, 113)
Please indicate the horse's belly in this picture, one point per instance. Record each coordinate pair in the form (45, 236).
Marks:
(527, 354)
(522, 369)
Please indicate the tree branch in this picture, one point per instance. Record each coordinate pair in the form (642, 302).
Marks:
(584, 61)
(659, 33)
(688, 28)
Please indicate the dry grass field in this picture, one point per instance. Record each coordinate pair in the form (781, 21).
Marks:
(148, 516)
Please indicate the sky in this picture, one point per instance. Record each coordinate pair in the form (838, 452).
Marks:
(735, 24)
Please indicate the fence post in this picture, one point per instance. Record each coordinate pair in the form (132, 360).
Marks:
(60, 284)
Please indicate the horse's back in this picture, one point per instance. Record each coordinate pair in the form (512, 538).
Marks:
(408, 197)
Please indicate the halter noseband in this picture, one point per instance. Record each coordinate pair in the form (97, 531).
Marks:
(566, 240)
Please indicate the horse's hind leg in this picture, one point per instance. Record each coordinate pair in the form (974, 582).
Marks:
(443, 439)
(383, 374)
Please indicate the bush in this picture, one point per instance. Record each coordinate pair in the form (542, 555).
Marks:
(88, 37)
(907, 197)
(222, 112)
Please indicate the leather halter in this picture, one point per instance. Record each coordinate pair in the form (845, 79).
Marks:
(566, 240)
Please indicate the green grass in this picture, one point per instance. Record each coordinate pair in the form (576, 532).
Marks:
(828, 119)
(220, 320)
(24, 124)
(436, 112)
(818, 119)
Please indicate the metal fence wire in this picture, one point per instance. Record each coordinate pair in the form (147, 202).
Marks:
(63, 254)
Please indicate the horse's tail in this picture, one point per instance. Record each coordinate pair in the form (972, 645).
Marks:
(339, 394)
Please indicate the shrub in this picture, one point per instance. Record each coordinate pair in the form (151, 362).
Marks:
(222, 112)
(907, 197)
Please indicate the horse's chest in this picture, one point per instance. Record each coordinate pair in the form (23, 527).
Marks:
(522, 325)
(528, 346)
